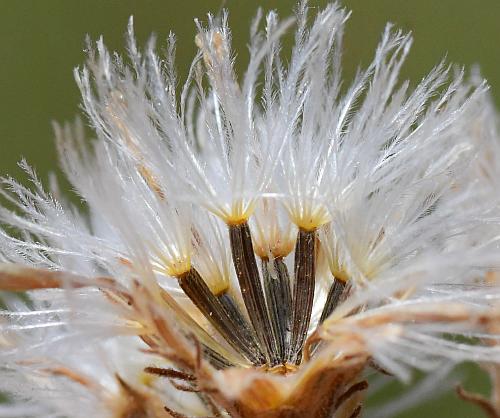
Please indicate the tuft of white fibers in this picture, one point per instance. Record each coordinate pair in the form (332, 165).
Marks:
(257, 244)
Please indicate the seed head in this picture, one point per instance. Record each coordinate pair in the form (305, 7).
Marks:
(255, 246)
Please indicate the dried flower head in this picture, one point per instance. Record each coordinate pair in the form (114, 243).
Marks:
(252, 247)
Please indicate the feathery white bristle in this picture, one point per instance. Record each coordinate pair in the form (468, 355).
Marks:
(394, 190)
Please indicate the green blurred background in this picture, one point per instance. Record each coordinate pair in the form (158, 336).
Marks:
(42, 41)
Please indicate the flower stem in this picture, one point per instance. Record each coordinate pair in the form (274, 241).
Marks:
(303, 291)
(200, 294)
(241, 323)
(333, 298)
(279, 298)
(251, 287)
